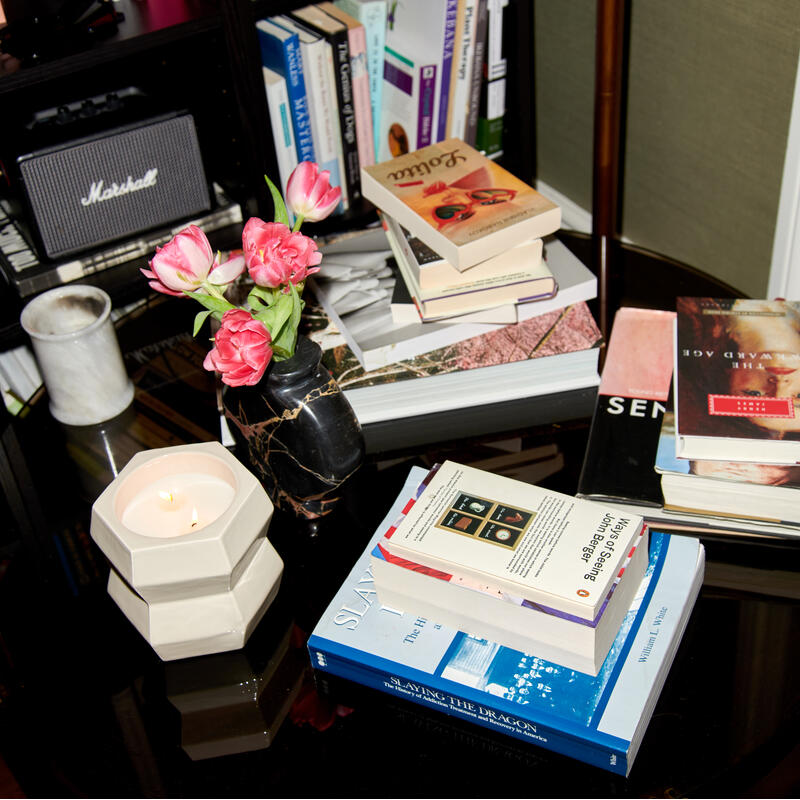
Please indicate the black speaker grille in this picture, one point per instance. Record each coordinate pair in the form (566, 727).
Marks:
(71, 217)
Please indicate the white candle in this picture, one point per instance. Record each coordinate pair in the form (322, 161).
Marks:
(174, 505)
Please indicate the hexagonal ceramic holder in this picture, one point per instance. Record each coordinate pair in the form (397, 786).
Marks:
(199, 592)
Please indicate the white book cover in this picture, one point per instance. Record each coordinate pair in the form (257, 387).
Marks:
(280, 117)
(461, 83)
(546, 546)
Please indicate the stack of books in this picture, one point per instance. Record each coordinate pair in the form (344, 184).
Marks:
(442, 620)
(696, 418)
(466, 234)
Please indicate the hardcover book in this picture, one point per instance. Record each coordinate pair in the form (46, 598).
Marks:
(458, 105)
(545, 546)
(486, 611)
(633, 395)
(737, 380)
(280, 52)
(378, 342)
(460, 203)
(600, 720)
(280, 116)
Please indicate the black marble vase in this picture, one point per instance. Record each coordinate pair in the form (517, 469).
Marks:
(297, 432)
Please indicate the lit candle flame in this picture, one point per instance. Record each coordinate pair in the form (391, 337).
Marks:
(166, 496)
(194, 517)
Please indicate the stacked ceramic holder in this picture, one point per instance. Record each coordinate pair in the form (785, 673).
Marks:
(184, 529)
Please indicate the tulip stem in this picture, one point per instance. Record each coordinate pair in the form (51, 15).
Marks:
(297, 223)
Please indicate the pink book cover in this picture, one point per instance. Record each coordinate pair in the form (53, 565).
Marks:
(359, 81)
(640, 356)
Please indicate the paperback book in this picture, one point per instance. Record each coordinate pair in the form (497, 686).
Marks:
(435, 276)
(433, 304)
(739, 489)
(737, 380)
(460, 203)
(486, 611)
(545, 546)
(597, 719)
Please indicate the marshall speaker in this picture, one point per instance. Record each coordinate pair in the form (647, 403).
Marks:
(111, 185)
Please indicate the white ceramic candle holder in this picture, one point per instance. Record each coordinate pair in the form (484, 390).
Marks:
(78, 354)
(185, 531)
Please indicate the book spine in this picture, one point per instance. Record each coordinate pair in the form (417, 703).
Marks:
(373, 17)
(448, 45)
(280, 119)
(282, 55)
(365, 136)
(465, 48)
(427, 693)
(16, 252)
(479, 51)
(427, 100)
(489, 136)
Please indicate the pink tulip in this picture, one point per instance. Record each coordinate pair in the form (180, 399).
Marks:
(309, 193)
(241, 349)
(186, 261)
(275, 256)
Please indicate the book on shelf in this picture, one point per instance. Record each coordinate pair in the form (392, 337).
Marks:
(460, 203)
(435, 275)
(547, 354)
(476, 79)
(323, 107)
(372, 14)
(460, 84)
(737, 364)
(280, 116)
(357, 42)
(486, 611)
(335, 33)
(545, 546)
(492, 103)
(632, 397)
(280, 52)
(739, 489)
(29, 274)
(370, 330)
(523, 286)
(600, 720)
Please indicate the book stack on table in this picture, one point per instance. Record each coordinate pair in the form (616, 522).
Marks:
(518, 608)
(716, 451)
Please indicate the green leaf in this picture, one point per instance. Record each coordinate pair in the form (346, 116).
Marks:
(201, 317)
(217, 305)
(277, 315)
(286, 339)
(281, 214)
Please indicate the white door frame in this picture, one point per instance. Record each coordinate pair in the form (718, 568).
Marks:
(784, 274)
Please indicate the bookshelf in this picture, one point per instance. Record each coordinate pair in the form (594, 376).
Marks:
(204, 55)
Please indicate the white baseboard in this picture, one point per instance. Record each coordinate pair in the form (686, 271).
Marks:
(573, 217)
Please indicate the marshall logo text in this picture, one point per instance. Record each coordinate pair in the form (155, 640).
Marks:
(99, 193)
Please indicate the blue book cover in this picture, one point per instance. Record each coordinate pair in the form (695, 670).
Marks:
(447, 68)
(280, 52)
(600, 720)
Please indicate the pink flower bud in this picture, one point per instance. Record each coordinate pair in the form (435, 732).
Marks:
(309, 193)
(275, 256)
(187, 260)
(241, 349)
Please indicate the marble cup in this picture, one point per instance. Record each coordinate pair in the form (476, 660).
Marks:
(78, 354)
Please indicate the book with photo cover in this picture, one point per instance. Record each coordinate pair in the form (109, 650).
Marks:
(737, 379)
(633, 395)
(485, 611)
(548, 547)
(600, 720)
(462, 204)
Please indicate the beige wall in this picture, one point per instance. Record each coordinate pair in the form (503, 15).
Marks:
(709, 99)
